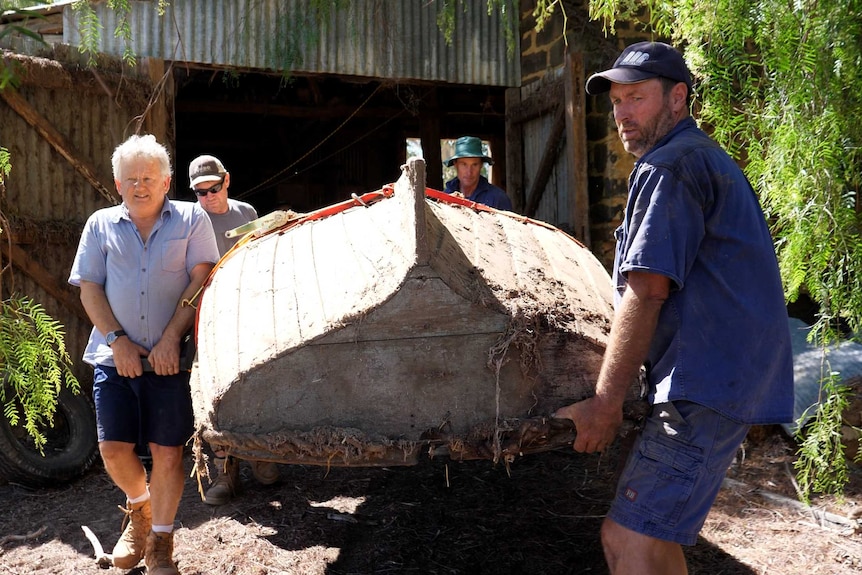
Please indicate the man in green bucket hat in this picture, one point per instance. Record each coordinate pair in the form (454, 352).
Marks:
(470, 182)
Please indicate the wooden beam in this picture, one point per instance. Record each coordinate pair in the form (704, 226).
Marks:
(514, 154)
(327, 112)
(576, 148)
(277, 110)
(429, 133)
(546, 166)
(156, 118)
(498, 172)
(56, 288)
(57, 141)
(545, 100)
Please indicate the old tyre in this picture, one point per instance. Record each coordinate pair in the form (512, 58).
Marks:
(70, 450)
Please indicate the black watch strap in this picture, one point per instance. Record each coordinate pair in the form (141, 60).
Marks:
(112, 336)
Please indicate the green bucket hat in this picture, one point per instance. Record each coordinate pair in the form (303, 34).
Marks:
(468, 147)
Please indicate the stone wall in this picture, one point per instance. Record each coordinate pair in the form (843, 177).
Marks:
(609, 164)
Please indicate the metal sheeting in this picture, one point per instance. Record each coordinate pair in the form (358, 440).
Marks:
(394, 39)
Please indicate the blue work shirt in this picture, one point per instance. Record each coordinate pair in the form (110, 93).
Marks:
(722, 339)
(485, 193)
(143, 281)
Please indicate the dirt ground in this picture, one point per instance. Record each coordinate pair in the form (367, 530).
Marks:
(441, 517)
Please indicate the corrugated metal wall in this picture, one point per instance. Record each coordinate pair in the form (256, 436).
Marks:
(43, 185)
(397, 39)
(47, 199)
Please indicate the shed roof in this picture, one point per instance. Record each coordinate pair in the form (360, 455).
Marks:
(392, 39)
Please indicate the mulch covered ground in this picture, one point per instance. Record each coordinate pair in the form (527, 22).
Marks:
(542, 516)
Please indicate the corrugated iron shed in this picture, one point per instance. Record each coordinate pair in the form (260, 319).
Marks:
(392, 39)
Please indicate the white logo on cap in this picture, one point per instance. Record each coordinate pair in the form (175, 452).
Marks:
(634, 59)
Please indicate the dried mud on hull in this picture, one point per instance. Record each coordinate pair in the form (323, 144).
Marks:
(402, 323)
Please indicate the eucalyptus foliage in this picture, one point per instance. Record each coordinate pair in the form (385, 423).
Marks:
(779, 84)
(8, 69)
(5, 168)
(34, 363)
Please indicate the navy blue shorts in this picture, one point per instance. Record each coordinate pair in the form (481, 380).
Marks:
(675, 470)
(140, 410)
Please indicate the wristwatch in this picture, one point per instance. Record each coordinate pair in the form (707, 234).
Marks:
(112, 336)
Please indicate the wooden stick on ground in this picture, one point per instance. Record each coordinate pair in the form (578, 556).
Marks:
(31, 535)
(825, 519)
(103, 559)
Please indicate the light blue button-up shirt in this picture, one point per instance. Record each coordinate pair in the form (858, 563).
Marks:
(143, 281)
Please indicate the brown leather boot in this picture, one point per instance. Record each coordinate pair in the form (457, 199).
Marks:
(129, 549)
(266, 472)
(225, 486)
(159, 557)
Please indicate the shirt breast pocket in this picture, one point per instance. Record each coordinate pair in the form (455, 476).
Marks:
(174, 256)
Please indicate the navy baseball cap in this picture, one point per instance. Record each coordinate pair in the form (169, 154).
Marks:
(639, 62)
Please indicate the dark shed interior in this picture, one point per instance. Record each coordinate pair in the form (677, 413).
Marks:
(308, 141)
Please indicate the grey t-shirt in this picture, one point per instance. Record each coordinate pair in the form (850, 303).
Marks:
(237, 214)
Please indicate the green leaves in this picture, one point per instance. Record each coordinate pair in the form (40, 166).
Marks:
(822, 466)
(508, 9)
(34, 366)
(91, 28)
(5, 167)
(9, 73)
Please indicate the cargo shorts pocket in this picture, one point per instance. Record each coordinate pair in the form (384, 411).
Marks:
(662, 477)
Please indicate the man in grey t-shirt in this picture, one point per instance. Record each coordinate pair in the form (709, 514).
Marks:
(210, 182)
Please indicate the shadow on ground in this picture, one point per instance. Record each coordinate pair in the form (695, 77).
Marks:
(438, 517)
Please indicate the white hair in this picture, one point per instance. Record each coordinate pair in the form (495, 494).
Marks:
(145, 146)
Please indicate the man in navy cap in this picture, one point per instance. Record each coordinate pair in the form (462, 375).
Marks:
(698, 301)
(470, 182)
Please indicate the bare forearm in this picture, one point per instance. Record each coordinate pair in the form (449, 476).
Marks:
(631, 335)
(98, 309)
(597, 418)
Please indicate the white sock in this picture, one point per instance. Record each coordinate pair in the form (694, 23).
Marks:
(163, 528)
(140, 498)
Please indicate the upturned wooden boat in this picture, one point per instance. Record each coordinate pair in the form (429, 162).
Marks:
(399, 322)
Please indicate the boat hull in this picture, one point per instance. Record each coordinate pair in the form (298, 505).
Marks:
(405, 326)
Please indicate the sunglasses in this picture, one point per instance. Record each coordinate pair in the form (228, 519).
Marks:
(213, 190)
